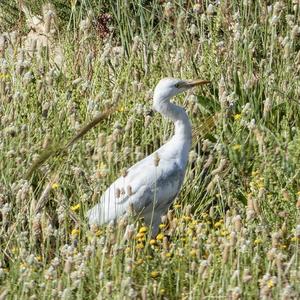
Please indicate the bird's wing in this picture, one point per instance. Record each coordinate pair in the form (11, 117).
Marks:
(143, 185)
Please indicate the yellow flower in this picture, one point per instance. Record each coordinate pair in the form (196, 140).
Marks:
(298, 193)
(168, 254)
(55, 186)
(4, 76)
(260, 184)
(160, 237)
(224, 232)
(139, 261)
(193, 252)
(236, 147)
(177, 206)
(98, 232)
(258, 241)
(162, 291)
(143, 229)
(294, 239)
(152, 242)
(190, 231)
(75, 231)
(237, 117)
(23, 265)
(154, 274)
(218, 224)
(161, 226)
(75, 207)
(121, 108)
(270, 283)
(38, 258)
(204, 215)
(140, 235)
(283, 246)
(140, 246)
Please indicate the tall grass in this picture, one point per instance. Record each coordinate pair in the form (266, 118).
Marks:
(234, 229)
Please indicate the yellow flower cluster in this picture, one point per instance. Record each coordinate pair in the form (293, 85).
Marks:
(75, 207)
(237, 117)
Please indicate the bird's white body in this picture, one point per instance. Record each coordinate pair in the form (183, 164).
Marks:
(152, 184)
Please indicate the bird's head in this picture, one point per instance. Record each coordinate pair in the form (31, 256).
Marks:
(169, 87)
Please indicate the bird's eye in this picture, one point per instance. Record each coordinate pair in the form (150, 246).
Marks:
(177, 85)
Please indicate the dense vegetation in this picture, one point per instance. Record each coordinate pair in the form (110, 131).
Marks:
(234, 230)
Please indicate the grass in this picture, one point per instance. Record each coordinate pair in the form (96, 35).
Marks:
(234, 230)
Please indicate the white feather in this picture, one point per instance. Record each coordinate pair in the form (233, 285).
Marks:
(150, 189)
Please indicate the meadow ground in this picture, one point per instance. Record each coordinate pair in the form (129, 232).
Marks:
(234, 230)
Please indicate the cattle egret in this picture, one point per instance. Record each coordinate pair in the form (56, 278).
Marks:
(151, 185)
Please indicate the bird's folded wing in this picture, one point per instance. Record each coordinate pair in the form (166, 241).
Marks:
(111, 207)
(143, 184)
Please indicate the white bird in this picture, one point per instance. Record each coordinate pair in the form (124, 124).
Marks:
(152, 184)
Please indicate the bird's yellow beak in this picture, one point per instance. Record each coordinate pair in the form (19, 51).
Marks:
(190, 84)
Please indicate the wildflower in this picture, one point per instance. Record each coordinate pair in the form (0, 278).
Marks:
(55, 186)
(154, 274)
(204, 215)
(237, 117)
(224, 233)
(102, 167)
(218, 224)
(257, 241)
(282, 246)
(160, 237)
(4, 76)
(143, 229)
(75, 207)
(189, 231)
(177, 206)
(186, 218)
(127, 250)
(139, 261)
(140, 235)
(270, 283)
(162, 291)
(236, 147)
(121, 108)
(161, 226)
(75, 232)
(140, 246)
(152, 242)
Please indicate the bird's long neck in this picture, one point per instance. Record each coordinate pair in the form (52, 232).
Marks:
(183, 129)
